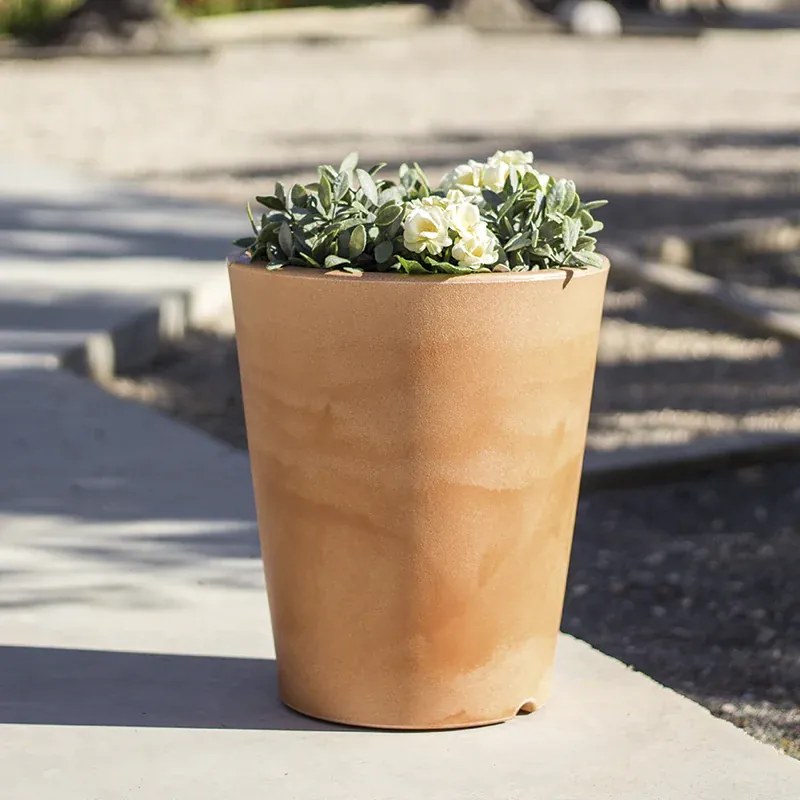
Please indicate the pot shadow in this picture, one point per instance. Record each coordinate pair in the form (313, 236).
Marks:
(60, 686)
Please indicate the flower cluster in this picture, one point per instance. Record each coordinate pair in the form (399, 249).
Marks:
(434, 223)
(500, 214)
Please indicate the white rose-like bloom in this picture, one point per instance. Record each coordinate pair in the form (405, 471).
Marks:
(464, 217)
(431, 201)
(495, 174)
(467, 178)
(519, 160)
(425, 228)
(476, 249)
(455, 196)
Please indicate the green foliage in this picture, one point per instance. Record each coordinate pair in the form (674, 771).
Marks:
(348, 217)
(353, 219)
(213, 7)
(543, 226)
(27, 19)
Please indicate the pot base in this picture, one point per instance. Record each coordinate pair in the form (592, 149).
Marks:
(525, 709)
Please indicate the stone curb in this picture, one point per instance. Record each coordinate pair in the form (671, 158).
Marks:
(631, 468)
(687, 247)
(135, 343)
(12, 51)
(253, 27)
(311, 24)
(731, 299)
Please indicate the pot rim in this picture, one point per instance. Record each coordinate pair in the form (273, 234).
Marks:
(239, 260)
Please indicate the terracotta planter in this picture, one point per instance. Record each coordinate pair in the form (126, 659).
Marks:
(416, 448)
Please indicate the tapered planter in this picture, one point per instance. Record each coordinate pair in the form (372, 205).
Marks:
(416, 446)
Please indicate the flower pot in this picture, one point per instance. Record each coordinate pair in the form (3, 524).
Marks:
(416, 446)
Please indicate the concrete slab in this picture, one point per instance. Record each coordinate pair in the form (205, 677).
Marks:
(82, 260)
(136, 660)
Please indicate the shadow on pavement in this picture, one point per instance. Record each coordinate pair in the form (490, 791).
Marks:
(54, 686)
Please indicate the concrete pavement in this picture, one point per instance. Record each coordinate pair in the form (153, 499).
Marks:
(94, 273)
(135, 650)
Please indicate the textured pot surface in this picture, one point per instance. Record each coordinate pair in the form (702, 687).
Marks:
(416, 447)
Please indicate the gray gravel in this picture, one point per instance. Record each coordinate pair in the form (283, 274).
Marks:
(695, 584)
(672, 131)
(670, 372)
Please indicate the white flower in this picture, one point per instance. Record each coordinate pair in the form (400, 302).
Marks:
(476, 249)
(518, 159)
(495, 174)
(431, 201)
(467, 178)
(455, 196)
(463, 217)
(425, 228)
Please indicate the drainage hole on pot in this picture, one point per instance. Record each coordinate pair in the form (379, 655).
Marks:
(528, 707)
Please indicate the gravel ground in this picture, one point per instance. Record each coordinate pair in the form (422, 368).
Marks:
(672, 131)
(773, 278)
(672, 373)
(695, 584)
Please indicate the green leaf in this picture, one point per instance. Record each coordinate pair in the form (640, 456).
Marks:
(358, 241)
(248, 241)
(383, 252)
(492, 198)
(325, 193)
(387, 214)
(285, 240)
(452, 269)
(280, 192)
(310, 261)
(412, 267)
(517, 241)
(422, 178)
(589, 258)
(595, 227)
(570, 231)
(592, 204)
(507, 205)
(250, 217)
(331, 262)
(341, 187)
(298, 195)
(349, 163)
(375, 169)
(368, 186)
(353, 270)
(271, 202)
(561, 195)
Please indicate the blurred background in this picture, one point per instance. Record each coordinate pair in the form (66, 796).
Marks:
(685, 115)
